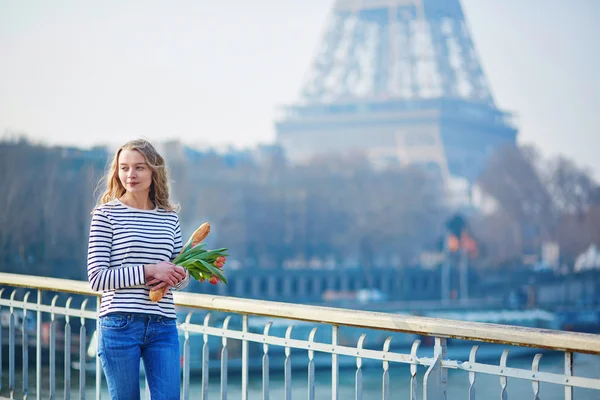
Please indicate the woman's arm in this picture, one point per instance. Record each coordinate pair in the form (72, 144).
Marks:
(100, 276)
(176, 249)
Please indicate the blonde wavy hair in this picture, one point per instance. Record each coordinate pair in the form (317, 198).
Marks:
(159, 189)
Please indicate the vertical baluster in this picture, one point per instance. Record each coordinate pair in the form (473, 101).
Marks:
(265, 363)
(1, 380)
(472, 360)
(413, 369)
(288, 365)
(434, 381)
(205, 360)
(52, 361)
(385, 379)
(186, 356)
(224, 357)
(244, 357)
(358, 389)
(67, 350)
(11, 347)
(52, 349)
(95, 338)
(503, 379)
(38, 348)
(25, 345)
(440, 348)
(335, 379)
(311, 365)
(535, 368)
(568, 374)
(82, 340)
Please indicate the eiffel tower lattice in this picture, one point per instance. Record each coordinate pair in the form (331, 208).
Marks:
(399, 81)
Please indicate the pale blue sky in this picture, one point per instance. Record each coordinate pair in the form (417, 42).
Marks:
(82, 72)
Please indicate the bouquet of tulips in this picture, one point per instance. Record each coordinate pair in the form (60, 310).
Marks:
(202, 264)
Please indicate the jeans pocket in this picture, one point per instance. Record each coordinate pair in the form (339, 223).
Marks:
(169, 321)
(114, 321)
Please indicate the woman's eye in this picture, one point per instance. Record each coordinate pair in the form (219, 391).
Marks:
(140, 168)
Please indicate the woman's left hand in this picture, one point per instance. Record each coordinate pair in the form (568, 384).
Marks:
(157, 283)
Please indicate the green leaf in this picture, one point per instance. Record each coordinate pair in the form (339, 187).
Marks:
(195, 274)
(198, 264)
(181, 256)
(187, 263)
(211, 254)
(193, 252)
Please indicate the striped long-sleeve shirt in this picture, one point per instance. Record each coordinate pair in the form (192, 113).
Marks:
(122, 240)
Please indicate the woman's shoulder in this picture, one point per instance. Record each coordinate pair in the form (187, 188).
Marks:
(106, 208)
(172, 215)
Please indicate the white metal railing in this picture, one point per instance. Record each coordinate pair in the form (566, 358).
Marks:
(48, 299)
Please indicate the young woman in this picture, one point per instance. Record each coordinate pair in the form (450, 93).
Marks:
(134, 236)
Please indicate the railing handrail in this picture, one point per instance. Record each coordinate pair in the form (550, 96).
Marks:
(495, 333)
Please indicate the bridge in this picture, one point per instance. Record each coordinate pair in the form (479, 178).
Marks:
(409, 284)
(249, 342)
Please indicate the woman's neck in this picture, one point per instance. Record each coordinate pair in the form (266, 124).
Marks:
(141, 201)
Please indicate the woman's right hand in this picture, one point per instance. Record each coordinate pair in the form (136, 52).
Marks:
(163, 273)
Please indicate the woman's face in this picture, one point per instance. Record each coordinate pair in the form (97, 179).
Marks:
(134, 173)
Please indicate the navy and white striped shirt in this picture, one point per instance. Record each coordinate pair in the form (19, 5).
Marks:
(122, 240)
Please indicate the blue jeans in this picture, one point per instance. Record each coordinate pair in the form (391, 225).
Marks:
(124, 338)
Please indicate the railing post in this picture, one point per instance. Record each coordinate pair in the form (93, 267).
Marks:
(205, 359)
(334, 363)
(503, 379)
(568, 373)
(52, 345)
(288, 365)
(224, 358)
(434, 382)
(441, 350)
(25, 352)
(98, 364)
(38, 348)
(359, 378)
(265, 363)
(244, 357)
(472, 376)
(82, 351)
(311, 365)
(413, 369)
(11, 348)
(67, 364)
(186, 357)
(385, 384)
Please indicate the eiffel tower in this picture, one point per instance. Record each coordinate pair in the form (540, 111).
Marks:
(400, 82)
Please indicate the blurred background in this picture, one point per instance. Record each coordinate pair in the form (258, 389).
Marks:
(403, 156)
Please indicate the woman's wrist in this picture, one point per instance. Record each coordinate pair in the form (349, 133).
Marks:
(148, 271)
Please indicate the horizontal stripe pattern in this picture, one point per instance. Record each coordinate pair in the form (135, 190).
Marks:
(122, 240)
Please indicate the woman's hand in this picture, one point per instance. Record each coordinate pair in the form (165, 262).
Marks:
(163, 274)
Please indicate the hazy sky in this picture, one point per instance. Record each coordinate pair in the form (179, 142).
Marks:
(214, 71)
